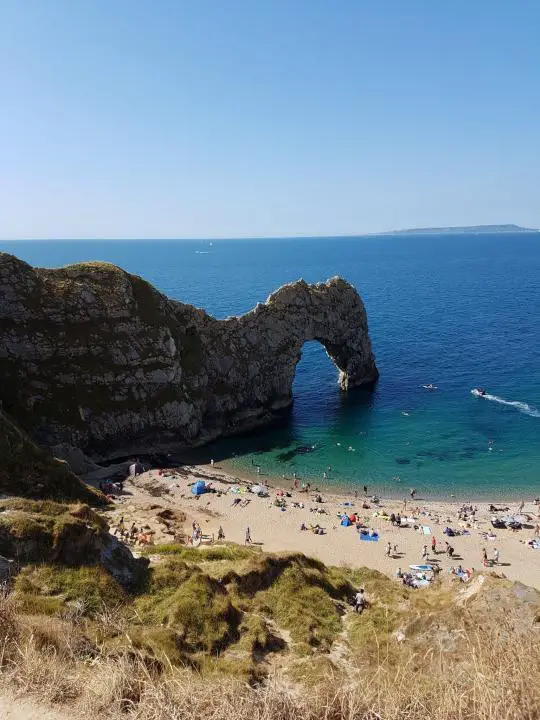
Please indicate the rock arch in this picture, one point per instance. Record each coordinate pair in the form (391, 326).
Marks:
(96, 357)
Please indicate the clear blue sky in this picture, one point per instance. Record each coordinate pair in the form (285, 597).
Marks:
(209, 118)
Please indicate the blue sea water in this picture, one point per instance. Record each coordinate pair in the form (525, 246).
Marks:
(456, 311)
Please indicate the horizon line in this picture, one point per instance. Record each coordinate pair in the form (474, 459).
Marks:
(208, 238)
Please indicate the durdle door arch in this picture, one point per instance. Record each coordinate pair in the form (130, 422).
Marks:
(95, 357)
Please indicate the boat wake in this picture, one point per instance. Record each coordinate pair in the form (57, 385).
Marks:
(524, 408)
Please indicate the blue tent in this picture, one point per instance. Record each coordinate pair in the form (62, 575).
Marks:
(199, 487)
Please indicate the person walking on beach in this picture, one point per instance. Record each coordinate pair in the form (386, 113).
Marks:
(365, 490)
(495, 556)
(521, 506)
(220, 534)
(388, 549)
(248, 536)
(433, 545)
(484, 557)
(424, 553)
(413, 493)
(212, 462)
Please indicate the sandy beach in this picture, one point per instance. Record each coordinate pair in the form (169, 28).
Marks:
(234, 508)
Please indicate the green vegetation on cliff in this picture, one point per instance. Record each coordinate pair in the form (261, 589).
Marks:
(28, 471)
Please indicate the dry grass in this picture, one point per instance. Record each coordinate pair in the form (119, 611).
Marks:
(495, 677)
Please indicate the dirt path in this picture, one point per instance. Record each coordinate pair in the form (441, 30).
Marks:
(21, 709)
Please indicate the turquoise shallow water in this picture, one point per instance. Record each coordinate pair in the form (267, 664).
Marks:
(455, 311)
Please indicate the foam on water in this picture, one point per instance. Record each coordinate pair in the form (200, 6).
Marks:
(525, 408)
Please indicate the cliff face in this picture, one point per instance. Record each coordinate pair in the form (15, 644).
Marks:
(95, 357)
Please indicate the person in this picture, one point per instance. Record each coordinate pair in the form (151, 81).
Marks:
(399, 572)
(258, 469)
(365, 489)
(484, 557)
(212, 462)
(433, 545)
(424, 553)
(120, 527)
(413, 493)
(495, 556)
(220, 534)
(521, 506)
(324, 475)
(248, 536)
(388, 549)
(359, 601)
(393, 518)
(395, 549)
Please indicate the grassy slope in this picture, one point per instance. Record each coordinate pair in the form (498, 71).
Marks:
(234, 614)
(28, 471)
(238, 611)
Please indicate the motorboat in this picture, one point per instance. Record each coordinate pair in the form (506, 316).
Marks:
(478, 392)
(430, 386)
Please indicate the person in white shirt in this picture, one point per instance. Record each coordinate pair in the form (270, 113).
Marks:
(359, 601)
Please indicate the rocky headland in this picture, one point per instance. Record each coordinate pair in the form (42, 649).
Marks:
(95, 358)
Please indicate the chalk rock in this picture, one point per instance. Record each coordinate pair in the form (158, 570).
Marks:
(96, 358)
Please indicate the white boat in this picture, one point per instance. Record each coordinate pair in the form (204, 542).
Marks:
(478, 392)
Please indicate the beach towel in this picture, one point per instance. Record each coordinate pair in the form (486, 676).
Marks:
(369, 538)
(426, 530)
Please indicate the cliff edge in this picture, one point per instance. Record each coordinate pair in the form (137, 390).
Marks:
(95, 357)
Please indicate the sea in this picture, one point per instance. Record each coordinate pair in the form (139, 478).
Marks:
(455, 311)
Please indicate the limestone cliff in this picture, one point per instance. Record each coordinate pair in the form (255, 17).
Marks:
(97, 358)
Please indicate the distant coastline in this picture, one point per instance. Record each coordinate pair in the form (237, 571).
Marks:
(465, 230)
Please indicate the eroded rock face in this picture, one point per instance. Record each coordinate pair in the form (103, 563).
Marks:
(97, 358)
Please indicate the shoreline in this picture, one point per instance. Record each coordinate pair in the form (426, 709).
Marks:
(331, 487)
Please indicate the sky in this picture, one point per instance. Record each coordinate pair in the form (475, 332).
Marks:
(248, 118)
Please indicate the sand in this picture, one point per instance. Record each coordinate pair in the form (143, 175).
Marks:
(274, 529)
